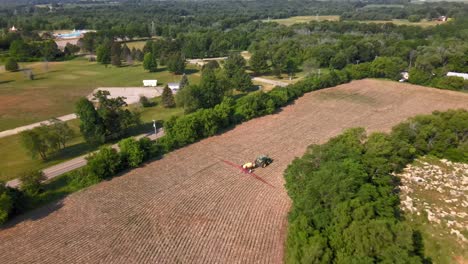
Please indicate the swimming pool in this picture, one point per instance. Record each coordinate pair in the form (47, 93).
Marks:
(74, 34)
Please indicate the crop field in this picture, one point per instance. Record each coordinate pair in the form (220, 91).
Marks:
(399, 22)
(194, 205)
(302, 19)
(58, 85)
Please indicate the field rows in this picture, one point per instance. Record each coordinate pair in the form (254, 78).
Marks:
(191, 207)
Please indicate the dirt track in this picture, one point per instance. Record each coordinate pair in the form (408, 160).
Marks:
(191, 207)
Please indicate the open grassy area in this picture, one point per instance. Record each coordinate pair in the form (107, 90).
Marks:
(58, 86)
(302, 19)
(15, 159)
(422, 23)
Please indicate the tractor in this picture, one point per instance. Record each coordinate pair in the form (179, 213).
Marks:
(263, 161)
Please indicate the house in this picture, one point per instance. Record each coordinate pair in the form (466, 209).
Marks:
(13, 29)
(458, 74)
(174, 87)
(442, 18)
(150, 83)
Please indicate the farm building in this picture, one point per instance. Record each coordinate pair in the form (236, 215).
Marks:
(174, 87)
(458, 74)
(150, 83)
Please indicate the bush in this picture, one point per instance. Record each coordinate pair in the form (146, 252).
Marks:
(414, 18)
(31, 182)
(131, 152)
(145, 102)
(6, 203)
(11, 65)
(104, 164)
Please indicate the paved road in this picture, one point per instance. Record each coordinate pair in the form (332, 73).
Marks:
(17, 130)
(268, 81)
(77, 162)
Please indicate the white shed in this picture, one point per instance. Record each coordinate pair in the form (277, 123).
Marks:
(458, 74)
(150, 83)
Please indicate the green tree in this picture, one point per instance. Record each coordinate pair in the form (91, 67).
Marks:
(103, 164)
(11, 65)
(233, 64)
(116, 53)
(242, 81)
(184, 82)
(339, 61)
(131, 152)
(31, 182)
(388, 67)
(19, 50)
(115, 118)
(259, 62)
(176, 63)
(91, 124)
(104, 53)
(40, 141)
(61, 131)
(167, 97)
(149, 63)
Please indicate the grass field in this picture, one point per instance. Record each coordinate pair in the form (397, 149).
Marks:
(15, 158)
(55, 90)
(302, 19)
(194, 205)
(422, 23)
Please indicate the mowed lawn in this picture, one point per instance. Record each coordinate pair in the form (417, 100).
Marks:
(58, 85)
(16, 160)
(302, 19)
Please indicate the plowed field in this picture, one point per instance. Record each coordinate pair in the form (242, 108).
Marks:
(191, 207)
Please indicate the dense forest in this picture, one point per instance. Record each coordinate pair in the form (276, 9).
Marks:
(345, 197)
(196, 30)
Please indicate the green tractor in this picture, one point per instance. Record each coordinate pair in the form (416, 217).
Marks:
(263, 161)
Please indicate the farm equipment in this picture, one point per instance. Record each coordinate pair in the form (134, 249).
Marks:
(260, 161)
(263, 161)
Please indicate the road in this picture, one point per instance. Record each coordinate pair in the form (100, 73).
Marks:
(268, 81)
(17, 130)
(76, 163)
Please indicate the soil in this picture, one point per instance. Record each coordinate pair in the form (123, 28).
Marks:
(192, 207)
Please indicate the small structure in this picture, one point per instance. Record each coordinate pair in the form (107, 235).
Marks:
(442, 18)
(13, 29)
(174, 87)
(150, 83)
(404, 76)
(458, 74)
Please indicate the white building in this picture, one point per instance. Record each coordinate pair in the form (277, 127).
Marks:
(458, 74)
(174, 87)
(150, 83)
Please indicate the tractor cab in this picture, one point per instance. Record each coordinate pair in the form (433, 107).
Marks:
(263, 161)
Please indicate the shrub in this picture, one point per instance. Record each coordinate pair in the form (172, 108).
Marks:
(6, 203)
(11, 65)
(104, 164)
(131, 152)
(145, 102)
(31, 182)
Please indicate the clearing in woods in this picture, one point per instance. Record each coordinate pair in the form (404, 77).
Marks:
(302, 19)
(190, 206)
